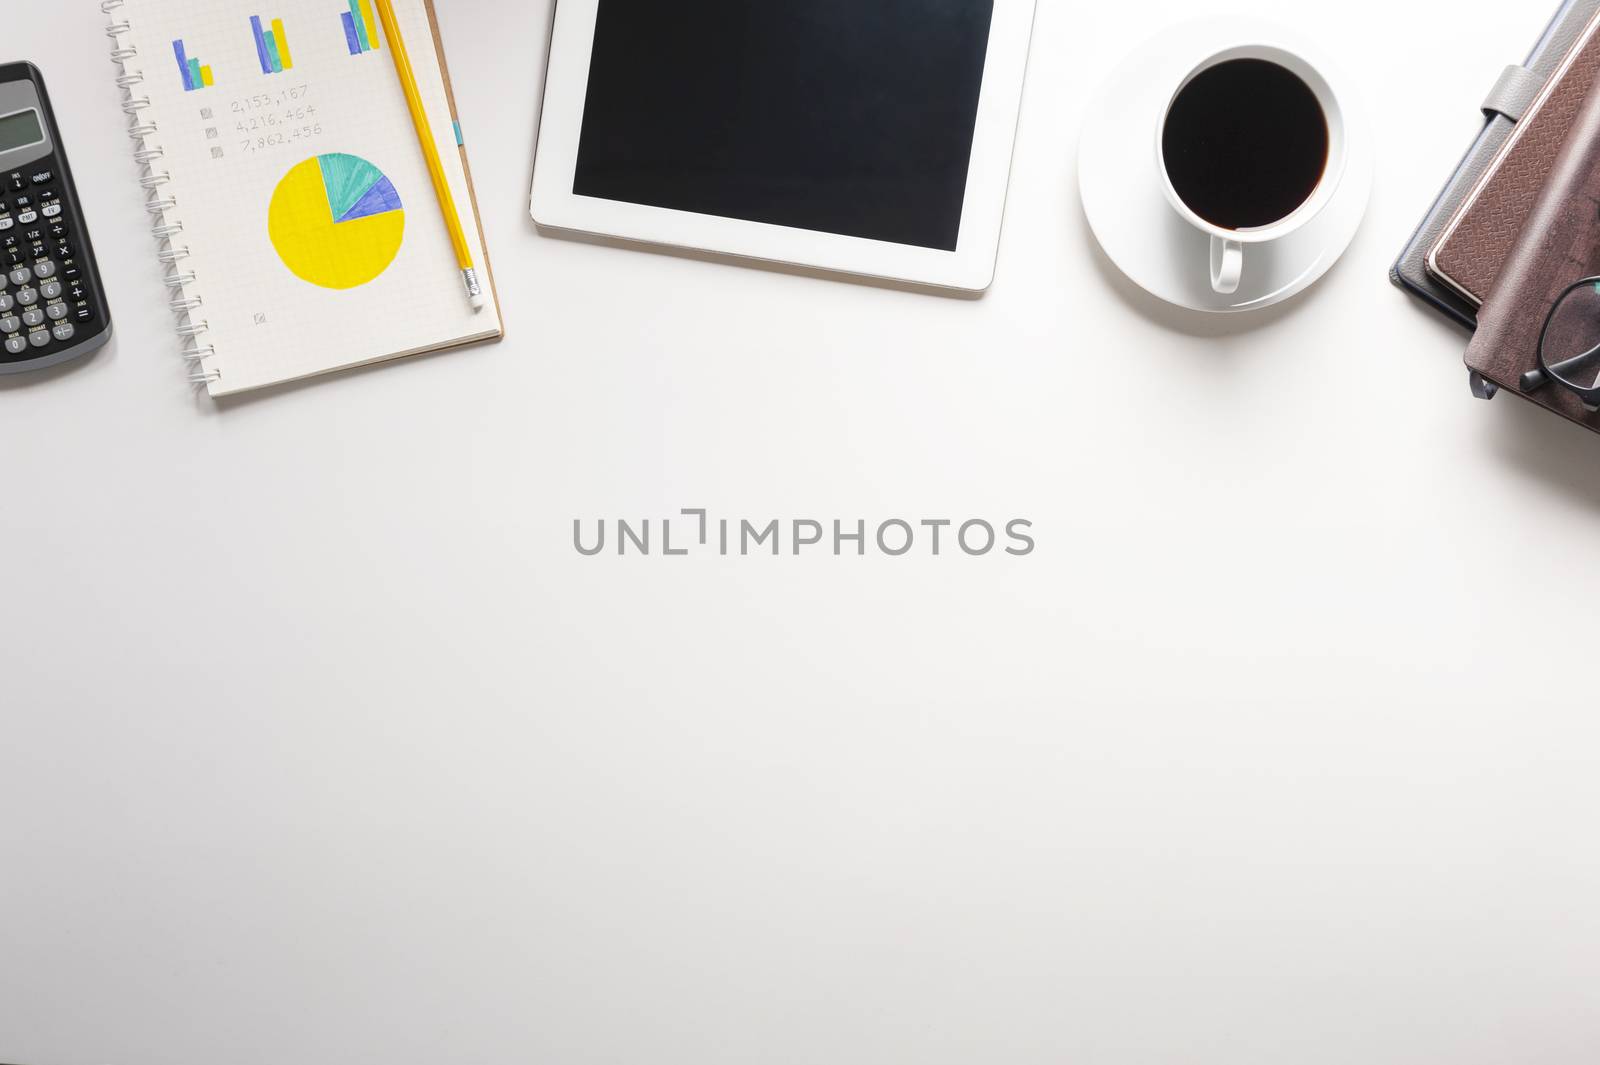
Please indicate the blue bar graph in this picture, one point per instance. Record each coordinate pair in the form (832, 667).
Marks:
(196, 75)
(272, 46)
(261, 44)
(360, 27)
(183, 65)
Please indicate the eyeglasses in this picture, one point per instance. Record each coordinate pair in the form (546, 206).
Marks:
(1569, 344)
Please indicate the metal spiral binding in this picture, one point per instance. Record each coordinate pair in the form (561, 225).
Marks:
(184, 302)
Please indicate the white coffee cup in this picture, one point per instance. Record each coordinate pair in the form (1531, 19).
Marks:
(1228, 245)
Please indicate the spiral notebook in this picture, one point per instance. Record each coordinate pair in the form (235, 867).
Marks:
(296, 219)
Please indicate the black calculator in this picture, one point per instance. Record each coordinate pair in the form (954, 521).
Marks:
(52, 308)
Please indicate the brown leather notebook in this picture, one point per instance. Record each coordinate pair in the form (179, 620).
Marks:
(1560, 244)
(1473, 248)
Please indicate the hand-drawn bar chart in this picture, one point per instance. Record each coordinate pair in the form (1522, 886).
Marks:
(195, 75)
(272, 46)
(360, 28)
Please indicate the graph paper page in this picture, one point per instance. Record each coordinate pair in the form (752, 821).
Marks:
(310, 221)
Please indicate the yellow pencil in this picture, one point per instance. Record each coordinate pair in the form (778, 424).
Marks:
(441, 184)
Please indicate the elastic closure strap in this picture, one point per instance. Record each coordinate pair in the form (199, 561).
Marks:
(1513, 93)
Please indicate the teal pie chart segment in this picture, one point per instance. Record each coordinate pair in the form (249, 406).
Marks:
(348, 179)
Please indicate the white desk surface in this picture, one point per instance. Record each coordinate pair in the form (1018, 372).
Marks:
(319, 742)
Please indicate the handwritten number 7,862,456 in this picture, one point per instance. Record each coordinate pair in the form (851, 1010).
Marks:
(281, 138)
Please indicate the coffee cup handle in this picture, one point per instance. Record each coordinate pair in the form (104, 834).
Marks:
(1227, 265)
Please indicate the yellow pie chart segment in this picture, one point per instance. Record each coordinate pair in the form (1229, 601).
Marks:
(336, 221)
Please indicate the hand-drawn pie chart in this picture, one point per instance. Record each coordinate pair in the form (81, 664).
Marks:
(336, 221)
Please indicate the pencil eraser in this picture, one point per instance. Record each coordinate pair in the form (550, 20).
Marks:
(479, 302)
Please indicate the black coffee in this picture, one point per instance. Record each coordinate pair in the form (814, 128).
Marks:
(1246, 143)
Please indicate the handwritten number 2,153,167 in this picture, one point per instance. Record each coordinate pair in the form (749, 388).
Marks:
(264, 100)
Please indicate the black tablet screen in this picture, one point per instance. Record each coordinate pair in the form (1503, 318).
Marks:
(843, 116)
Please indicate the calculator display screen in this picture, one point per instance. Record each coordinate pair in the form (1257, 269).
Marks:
(20, 130)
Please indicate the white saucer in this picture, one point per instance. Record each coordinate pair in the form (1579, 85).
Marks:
(1137, 227)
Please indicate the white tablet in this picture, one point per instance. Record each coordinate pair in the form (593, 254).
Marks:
(872, 137)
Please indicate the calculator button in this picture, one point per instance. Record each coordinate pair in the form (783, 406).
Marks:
(84, 313)
(72, 273)
(6, 222)
(51, 290)
(10, 324)
(27, 297)
(33, 317)
(16, 182)
(44, 270)
(16, 345)
(39, 337)
(64, 332)
(50, 210)
(28, 217)
(44, 177)
(57, 311)
(21, 275)
(6, 302)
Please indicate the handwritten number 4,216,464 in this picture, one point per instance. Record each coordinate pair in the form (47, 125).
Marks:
(256, 123)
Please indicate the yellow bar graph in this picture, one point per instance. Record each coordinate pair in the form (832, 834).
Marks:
(205, 76)
(372, 23)
(281, 35)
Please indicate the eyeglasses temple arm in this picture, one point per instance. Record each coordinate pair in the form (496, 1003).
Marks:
(1536, 379)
